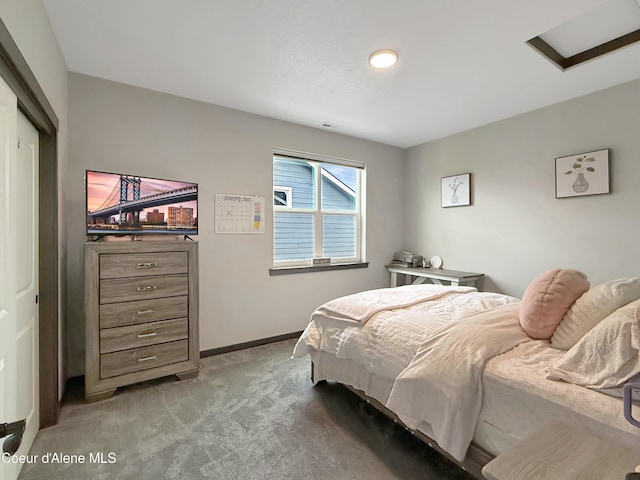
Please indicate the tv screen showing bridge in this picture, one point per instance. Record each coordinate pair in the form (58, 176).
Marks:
(127, 204)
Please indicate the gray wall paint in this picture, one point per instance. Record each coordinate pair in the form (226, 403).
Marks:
(121, 128)
(516, 228)
(30, 28)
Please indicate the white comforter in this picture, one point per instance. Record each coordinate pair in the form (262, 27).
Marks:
(442, 384)
(436, 360)
(360, 307)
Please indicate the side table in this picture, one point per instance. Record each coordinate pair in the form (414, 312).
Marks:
(435, 275)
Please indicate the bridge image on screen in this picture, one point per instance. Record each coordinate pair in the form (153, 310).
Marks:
(133, 205)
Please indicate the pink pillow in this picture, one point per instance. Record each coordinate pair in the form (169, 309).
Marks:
(547, 299)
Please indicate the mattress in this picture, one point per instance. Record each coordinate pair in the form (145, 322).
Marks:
(516, 396)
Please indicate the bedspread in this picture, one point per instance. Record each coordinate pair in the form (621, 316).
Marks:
(387, 342)
(442, 385)
(360, 307)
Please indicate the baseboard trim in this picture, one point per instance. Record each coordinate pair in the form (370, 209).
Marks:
(254, 343)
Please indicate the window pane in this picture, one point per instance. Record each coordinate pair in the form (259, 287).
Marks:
(339, 236)
(279, 198)
(297, 175)
(308, 224)
(339, 187)
(293, 236)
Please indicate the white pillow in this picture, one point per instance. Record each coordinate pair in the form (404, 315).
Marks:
(607, 356)
(594, 305)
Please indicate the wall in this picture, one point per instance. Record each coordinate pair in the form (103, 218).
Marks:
(28, 23)
(516, 228)
(116, 127)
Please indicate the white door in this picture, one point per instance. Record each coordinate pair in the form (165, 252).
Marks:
(26, 232)
(19, 396)
(8, 370)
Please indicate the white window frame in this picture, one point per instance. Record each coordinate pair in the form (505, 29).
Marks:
(317, 212)
(288, 192)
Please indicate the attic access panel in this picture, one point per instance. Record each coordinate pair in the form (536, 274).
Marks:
(610, 27)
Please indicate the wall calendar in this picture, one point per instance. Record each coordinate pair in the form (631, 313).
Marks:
(239, 213)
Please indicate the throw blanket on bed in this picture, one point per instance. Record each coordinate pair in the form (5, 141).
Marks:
(442, 384)
(360, 307)
(387, 342)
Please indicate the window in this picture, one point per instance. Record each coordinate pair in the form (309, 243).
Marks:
(317, 209)
(282, 196)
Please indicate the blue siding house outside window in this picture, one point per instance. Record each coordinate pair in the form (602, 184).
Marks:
(339, 236)
(293, 236)
(316, 211)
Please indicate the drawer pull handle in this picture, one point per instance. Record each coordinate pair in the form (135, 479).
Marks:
(144, 312)
(146, 359)
(147, 265)
(147, 288)
(147, 334)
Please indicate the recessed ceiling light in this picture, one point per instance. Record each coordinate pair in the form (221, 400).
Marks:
(383, 58)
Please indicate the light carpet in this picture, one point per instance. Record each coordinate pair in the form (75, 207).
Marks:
(250, 414)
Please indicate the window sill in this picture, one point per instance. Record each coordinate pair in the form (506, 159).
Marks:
(317, 268)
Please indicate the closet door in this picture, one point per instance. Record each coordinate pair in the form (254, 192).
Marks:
(19, 366)
(8, 362)
(26, 293)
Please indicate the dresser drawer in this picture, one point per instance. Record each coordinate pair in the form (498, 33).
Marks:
(118, 265)
(143, 335)
(128, 289)
(128, 361)
(143, 311)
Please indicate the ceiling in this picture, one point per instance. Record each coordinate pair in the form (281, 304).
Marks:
(462, 63)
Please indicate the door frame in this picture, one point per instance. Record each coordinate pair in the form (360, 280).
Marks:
(33, 103)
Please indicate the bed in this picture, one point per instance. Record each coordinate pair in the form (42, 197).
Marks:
(473, 373)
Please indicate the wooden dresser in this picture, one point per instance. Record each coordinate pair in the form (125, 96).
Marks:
(141, 313)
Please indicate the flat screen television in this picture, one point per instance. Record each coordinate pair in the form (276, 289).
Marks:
(123, 204)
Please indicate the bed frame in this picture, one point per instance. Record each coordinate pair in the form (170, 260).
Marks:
(475, 459)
